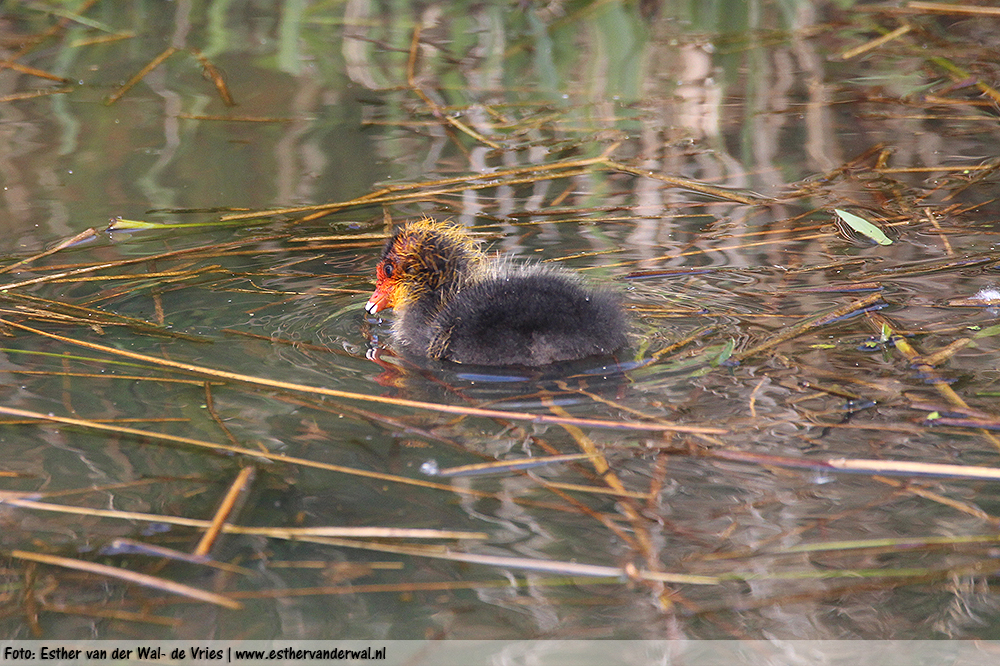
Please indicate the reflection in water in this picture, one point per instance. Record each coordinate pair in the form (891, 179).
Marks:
(512, 387)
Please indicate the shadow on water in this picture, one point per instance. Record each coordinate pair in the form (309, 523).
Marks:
(792, 197)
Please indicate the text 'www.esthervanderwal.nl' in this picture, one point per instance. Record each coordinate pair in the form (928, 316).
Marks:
(192, 652)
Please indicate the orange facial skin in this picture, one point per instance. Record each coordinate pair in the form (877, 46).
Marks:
(385, 289)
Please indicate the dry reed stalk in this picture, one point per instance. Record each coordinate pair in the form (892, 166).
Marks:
(141, 74)
(286, 533)
(212, 72)
(944, 388)
(84, 235)
(399, 402)
(810, 324)
(32, 94)
(145, 580)
(237, 490)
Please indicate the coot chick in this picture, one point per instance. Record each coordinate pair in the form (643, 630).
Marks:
(454, 303)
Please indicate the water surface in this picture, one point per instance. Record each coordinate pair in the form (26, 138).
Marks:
(756, 99)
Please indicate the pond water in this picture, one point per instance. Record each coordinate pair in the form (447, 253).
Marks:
(689, 154)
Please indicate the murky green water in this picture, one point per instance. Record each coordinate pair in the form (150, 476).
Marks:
(752, 97)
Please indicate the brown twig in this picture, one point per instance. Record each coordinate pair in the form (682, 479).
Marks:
(809, 324)
(87, 234)
(212, 72)
(129, 577)
(877, 42)
(153, 64)
(229, 502)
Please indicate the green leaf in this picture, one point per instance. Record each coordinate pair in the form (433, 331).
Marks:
(121, 224)
(863, 226)
(724, 355)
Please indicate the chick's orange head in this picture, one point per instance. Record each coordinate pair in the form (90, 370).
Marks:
(392, 287)
(424, 257)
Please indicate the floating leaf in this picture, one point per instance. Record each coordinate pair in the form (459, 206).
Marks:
(121, 224)
(863, 226)
(725, 354)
